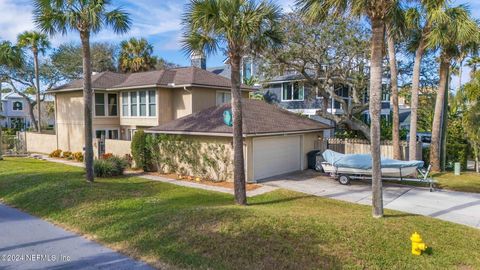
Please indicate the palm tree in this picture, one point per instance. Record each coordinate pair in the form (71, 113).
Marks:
(38, 43)
(378, 12)
(244, 26)
(419, 21)
(454, 36)
(86, 17)
(473, 63)
(10, 56)
(395, 29)
(136, 55)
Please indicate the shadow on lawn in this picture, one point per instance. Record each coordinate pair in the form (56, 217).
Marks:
(205, 233)
(275, 201)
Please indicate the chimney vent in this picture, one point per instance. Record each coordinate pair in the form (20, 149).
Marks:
(198, 60)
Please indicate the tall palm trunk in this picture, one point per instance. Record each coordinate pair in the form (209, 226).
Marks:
(378, 35)
(87, 99)
(412, 144)
(238, 161)
(37, 85)
(438, 114)
(392, 60)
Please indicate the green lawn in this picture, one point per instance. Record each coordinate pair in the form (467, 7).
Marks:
(467, 181)
(189, 228)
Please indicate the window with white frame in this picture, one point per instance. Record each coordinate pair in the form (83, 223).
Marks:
(106, 104)
(223, 97)
(152, 103)
(143, 103)
(18, 106)
(111, 134)
(112, 104)
(133, 104)
(292, 91)
(125, 111)
(139, 103)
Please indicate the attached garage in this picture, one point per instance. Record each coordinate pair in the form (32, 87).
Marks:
(276, 141)
(276, 155)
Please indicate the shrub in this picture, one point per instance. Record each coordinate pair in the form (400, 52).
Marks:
(113, 166)
(140, 151)
(128, 158)
(78, 156)
(106, 156)
(56, 153)
(67, 155)
(457, 152)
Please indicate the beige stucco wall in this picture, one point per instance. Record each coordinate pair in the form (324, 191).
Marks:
(118, 147)
(221, 170)
(182, 103)
(70, 121)
(309, 140)
(41, 143)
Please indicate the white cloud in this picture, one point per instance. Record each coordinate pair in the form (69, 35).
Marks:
(15, 18)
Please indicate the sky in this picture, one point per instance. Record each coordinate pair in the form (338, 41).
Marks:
(159, 21)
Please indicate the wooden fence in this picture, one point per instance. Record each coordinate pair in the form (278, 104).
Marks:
(357, 146)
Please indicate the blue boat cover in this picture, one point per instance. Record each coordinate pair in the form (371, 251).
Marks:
(364, 161)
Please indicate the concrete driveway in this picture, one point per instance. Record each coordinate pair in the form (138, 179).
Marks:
(458, 207)
(27, 242)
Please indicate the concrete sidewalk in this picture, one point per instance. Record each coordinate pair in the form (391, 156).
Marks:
(27, 242)
(458, 207)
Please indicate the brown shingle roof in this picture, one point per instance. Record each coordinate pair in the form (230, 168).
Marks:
(167, 78)
(259, 118)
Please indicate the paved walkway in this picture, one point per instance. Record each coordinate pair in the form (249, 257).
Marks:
(27, 242)
(458, 207)
(261, 190)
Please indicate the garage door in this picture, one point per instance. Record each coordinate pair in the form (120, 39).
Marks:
(276, 155)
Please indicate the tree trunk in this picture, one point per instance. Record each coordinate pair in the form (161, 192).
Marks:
(37, 85)
(31, 109)
(476, 153)
(378, 35)
(87, 99)
(392, 60)
(238, 161)
(412, 144)
(438, 114)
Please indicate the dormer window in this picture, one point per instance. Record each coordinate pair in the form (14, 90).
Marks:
(17, 106)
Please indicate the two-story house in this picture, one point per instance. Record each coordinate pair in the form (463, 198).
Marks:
(14, 111)
(124, 103)
(290, 91)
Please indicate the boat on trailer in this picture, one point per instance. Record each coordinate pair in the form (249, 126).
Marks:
(345, 168)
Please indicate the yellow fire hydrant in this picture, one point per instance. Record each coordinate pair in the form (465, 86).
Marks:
(417, 244)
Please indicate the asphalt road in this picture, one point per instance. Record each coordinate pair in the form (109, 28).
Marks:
(27, 242)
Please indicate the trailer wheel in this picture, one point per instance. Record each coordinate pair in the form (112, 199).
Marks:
(344, 180)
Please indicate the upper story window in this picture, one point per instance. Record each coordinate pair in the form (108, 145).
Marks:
(139, 103)
(18, 106)
(223, 97)
(125, 111)
(292, 91)
(106, 104)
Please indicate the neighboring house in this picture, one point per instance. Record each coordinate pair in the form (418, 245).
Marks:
(290, 91)
(14, 110)
(276, 141)
(125, 103)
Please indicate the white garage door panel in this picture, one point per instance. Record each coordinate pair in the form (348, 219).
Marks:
(275, 155)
